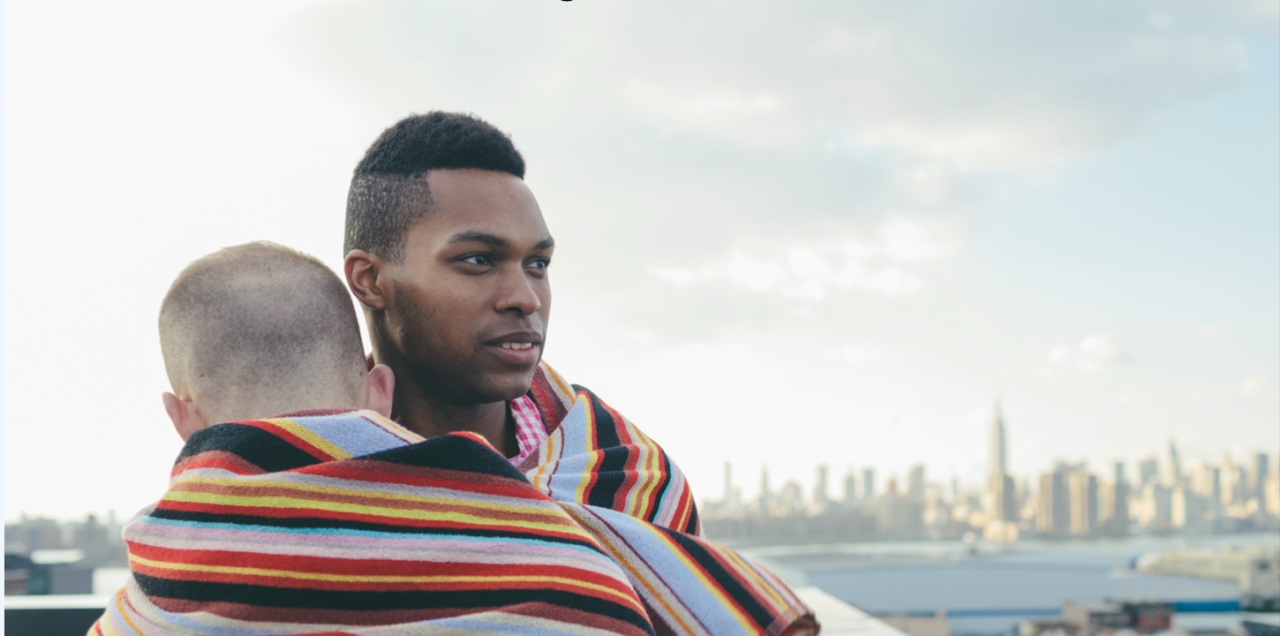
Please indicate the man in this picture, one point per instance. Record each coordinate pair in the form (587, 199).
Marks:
(448, 253)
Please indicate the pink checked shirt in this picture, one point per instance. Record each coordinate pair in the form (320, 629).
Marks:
(530, 431)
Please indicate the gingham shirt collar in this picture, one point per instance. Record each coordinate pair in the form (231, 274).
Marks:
(530, 430)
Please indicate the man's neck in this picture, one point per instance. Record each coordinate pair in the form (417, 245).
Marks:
(429, 418)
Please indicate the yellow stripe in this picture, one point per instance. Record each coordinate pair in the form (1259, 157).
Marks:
(566, 392)
(649, 470)
(324, 445)
(605, 538)
(376, 578)
(593, 459)
(391, 513)
(708, 583)
(757, 581)
(123, 616)
(545, 464)
(242, 483)
(392, 428)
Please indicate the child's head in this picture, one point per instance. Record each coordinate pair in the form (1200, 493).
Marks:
(258, 330)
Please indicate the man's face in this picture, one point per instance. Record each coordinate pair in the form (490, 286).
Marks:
(471, 296)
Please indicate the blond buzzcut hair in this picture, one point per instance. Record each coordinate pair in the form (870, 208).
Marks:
(256, 326)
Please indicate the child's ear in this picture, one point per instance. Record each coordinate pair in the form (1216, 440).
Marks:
(184, 415)
(379, 388)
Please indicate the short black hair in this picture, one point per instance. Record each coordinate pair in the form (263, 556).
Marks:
(388, 194)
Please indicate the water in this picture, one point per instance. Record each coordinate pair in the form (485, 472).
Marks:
(988, 588)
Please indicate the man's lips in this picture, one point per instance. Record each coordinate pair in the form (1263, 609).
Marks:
(518, 348)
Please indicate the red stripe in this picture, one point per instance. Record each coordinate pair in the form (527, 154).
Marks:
(292, 439)
(316, 513)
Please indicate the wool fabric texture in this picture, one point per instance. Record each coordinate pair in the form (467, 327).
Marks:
(347, 523)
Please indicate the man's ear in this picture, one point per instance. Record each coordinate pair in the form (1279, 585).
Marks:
(186, 418)
(379, 389)
(366, 276)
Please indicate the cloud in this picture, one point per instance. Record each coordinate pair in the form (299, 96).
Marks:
(1208, 331)
(1092, 353)
(1254, 385)
(882, 266)
(1009, 85)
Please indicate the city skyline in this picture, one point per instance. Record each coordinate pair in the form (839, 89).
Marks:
(1133, 472)
(783, 237)
(1064, 500)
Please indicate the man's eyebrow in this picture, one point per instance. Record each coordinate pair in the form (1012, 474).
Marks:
(545, 243)
(476, 236)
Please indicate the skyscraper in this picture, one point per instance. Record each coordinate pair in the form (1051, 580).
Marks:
(820, 498)
(1258, 478)
(999, 483)
(998, 458)
(850, 488)
(1053, 514)
(1175, 465)
(915, 482)
(1148, 469)
(1083, 490)
(765, 500)
(868, 483)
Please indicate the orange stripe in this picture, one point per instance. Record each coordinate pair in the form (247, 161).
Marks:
(635, 575)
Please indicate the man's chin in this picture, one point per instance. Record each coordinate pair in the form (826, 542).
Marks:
(508, 386)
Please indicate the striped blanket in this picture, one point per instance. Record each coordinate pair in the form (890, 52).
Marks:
(347, 523)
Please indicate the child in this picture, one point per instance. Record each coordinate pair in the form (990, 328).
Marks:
(260, 330)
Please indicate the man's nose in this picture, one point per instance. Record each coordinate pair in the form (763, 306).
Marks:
(519, 296)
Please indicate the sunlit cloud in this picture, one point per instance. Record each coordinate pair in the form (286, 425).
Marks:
(881, 266)
(1092, 353)
(1254, 385)
(1208, 331)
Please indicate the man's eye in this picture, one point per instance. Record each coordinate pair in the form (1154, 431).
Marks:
(478, 259)
(540, 263)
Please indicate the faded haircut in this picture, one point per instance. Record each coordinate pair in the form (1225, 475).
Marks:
(259, 322)
(388, 190)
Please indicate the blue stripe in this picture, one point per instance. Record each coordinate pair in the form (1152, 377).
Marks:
(365, 533)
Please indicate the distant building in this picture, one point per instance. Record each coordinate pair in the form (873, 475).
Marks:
(1254, 570)
(1105, 618)
(1273, 495)
(1174, 475)
(915, 482)
(868, 483)
(1259, 470)
(764, 501)
(820, 499)
(1188, 511)
(1148, 470)
(1083, 490)
(791, 499)
(1206, 481)
(1234, 483)
(1053, 513)
(1156, 508)
(998, 457)
(1113, 504)
(850, 488)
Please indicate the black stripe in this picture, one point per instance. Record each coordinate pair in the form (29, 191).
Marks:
(663, 488)
(265, 596)
(451, 452)
(325, 523)
(692, 526)
(611, 472)
(745, 599)
(256, 446)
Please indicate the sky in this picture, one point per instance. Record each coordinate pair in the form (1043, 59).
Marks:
(787, 234)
